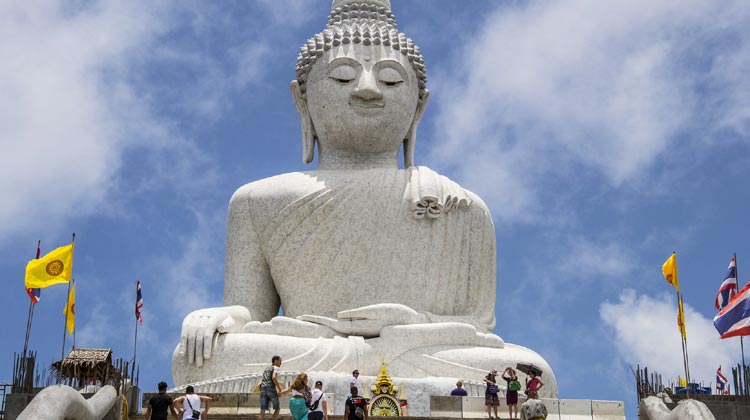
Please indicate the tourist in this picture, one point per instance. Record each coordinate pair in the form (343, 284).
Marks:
(354, 381)
(158, 404)
(270, 388)
(356, 406)
(459, 390)
(319, 408)
(490, 394)
(301, 397)
(533, 385)
(511, 393)
(191, 405)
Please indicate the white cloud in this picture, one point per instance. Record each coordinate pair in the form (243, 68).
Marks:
(645, 333)
(585, 88)
(585, 259)
(78, 99)
(62, 80)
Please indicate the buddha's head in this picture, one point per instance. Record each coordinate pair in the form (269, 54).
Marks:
(360, 86)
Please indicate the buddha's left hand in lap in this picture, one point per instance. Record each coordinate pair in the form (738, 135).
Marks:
(368, 321)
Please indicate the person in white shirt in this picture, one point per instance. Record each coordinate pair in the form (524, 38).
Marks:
(321, 410)
(191, 402)
(355, 381)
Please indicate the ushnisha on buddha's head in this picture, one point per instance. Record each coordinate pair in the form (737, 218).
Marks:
(360, 89)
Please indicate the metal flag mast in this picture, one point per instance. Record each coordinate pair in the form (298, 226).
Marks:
(30, 317)
(742, 341)
(135, 348)
(67, 300)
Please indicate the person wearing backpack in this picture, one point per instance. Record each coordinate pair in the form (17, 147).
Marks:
(511, 395)
(319, 406)
(356, 406)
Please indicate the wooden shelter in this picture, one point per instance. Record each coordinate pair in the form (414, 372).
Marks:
(81, 364)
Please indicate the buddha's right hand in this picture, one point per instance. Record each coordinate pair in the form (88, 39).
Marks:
(199, 328)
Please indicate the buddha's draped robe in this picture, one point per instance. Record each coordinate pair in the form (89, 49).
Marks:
(337, 240)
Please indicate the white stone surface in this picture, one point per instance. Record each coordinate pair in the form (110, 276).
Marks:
(553, 409)
(608, 410)
(58, 402)
(368, 261)
(575, 409)
(653, 408)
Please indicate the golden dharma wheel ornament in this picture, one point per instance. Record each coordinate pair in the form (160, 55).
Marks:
(386, 401)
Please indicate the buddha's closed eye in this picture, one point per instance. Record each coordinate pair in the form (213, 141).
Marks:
(343, 74)
(390, 77)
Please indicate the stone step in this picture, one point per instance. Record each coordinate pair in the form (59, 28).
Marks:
(268, 417)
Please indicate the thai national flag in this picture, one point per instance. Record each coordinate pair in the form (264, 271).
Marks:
(721, 381)
(138, 302)
(734, 319)
(728, 286)
(35, 294)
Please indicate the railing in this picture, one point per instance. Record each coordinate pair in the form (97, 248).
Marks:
(4, 392)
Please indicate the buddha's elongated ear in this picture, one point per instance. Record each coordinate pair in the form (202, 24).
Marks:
(411, 135)
(308, 131)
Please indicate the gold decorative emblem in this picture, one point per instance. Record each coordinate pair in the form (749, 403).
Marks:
(387, 400)
(55, 268)
(384, 406)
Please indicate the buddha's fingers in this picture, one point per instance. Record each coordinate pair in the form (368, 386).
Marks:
(365, 327)
(182, 350)
(386, 313)
(321, 320)
(191, 343)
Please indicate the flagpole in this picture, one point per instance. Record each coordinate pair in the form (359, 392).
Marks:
(135, 347)
(65, 327)
(683, 340)
(30, 317)
(742, 341)
(687, 354)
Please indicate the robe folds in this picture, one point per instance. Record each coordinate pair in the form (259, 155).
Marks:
(328, 241)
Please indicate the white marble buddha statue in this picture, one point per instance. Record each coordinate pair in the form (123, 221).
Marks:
(367, 262)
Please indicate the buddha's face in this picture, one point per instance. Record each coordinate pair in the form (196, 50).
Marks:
(362, 99)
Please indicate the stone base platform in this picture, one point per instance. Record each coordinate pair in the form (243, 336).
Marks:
(246, 406)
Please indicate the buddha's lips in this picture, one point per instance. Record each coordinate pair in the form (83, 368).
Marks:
(367, 104)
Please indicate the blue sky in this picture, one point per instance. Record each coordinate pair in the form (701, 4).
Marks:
(602, 135)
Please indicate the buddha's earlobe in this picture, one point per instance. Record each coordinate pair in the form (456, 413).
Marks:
(308, 131)
(411, 136)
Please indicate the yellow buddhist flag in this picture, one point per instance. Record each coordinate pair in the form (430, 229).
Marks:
(669, 269)
(682, 381)
(70, 310)
(681, 319)
(53, 268)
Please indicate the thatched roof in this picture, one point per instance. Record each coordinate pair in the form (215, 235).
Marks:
(80, 363)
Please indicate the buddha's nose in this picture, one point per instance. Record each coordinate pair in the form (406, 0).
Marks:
(367, 88)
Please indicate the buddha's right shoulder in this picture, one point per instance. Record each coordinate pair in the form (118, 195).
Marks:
(278, 190)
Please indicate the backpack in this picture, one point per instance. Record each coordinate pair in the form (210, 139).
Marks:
(358, 411)
(514, 385)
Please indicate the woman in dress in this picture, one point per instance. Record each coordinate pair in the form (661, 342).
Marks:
(511, 394)
(490, 394)
(301, 397)
(533, 385)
